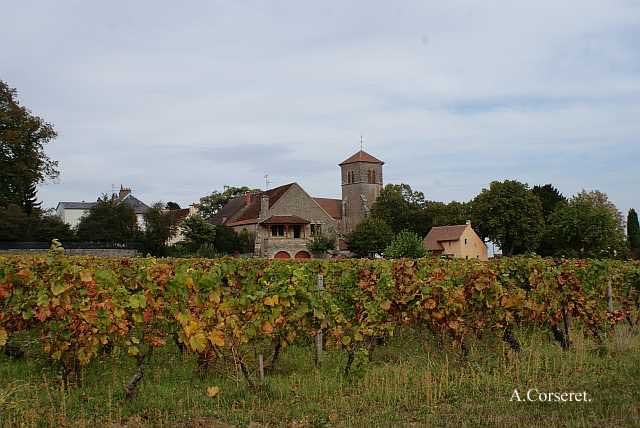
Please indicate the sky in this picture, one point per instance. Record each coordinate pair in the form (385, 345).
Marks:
(178, 99)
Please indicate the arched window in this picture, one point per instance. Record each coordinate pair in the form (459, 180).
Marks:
(369, 176)
(373, 177)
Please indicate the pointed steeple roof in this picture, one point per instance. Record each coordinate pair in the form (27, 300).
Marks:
(362, 156)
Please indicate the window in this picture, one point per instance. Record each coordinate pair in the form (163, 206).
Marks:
(465, 241)
(277, 230)
(316, 229)
(373, 177)
(369, 176)
(297, 231)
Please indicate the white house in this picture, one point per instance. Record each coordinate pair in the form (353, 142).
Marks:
(71, 212)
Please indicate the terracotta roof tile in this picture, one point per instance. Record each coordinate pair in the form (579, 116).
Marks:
(285, 219)
(361, 156)
(332, 206)
(252, 211)
(443, 233)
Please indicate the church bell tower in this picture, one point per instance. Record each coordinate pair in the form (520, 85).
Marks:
(361, 185)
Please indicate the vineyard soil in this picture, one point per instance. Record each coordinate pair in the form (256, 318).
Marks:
(410, 381)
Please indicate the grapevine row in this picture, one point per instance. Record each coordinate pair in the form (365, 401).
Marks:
(81, 306)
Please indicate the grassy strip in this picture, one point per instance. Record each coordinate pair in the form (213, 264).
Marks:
(409, 382)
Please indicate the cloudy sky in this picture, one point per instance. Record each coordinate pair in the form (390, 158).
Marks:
(176, 99)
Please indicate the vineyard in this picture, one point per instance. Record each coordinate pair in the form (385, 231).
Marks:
(245, 312)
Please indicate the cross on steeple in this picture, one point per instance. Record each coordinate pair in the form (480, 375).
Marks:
(361, 143)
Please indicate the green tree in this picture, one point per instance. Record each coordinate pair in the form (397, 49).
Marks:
(633, 233)
(370, 237)
(321, 243)
(587, 227)
(49, 226)
(550, 197)
(246, 242)
(226, 240)
(17, 226)
(405, 244)
(209, 205)
(109, 221)
(401, 207)
(23, 161)
(441, 214)
(198, 233)
(159, 227)
(510, 215)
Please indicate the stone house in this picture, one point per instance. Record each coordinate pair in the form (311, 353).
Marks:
(459, 241)
(285, 218)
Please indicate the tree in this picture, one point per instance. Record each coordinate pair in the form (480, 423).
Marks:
(441, 214)
(509, 215)
(587, 227)
(109, 221)
(159, 227)
(322, 242)
(17, 226)
(209, 205)
(198, 232)
(49, 226)
(172, 206)
(400, 207)
(226, 240)
(405, 244)
(550, 197)
(633, 233)
(370, 237)
(23, 162)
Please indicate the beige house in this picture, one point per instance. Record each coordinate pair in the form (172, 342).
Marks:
(459, 241)
(284, 219)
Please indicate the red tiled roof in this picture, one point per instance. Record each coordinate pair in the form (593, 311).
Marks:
(362, 156)
(332, 206)
(443, 233)
(252, 211)
(242, 222)
(285, 219)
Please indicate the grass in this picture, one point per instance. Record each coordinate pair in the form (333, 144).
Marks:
(409, 382)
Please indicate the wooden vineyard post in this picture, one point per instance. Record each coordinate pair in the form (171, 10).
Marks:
(319, 286)
(261, 367)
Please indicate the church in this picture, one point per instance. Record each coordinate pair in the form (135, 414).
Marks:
(285, 218)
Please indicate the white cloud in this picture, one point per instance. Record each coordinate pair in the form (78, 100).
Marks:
(451, 94)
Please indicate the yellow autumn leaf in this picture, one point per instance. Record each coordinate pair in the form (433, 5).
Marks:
(3, 337)
(385, 305)
(133, 351)
(86, 276)
(271, 301)
(198, 342)
(346, 340)
(213, 391)
(217, 338)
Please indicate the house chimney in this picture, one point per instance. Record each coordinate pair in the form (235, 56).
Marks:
(468, 222)
(247, 198)
(124, 192)
(264, 207)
